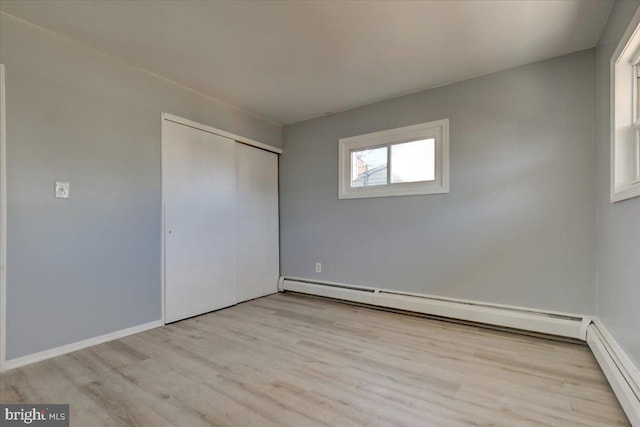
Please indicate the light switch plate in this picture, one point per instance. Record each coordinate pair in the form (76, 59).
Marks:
(62, 190)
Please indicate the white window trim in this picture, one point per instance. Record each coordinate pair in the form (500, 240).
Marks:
(636, 123)
(439, 130)
(624, 148)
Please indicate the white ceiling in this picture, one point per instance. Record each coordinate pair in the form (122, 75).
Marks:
(291, 61)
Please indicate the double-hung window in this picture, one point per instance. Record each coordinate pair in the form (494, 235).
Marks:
(625, 115)
(397, 162)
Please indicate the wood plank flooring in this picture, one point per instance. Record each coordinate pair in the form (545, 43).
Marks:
(290, 360)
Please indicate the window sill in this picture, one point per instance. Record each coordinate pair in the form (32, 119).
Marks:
(391, 190)
(625, 193)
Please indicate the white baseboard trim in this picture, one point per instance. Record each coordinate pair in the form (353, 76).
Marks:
(622, 374)
(526, 319)
(79, 345)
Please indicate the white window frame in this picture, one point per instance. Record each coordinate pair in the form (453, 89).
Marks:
(636, 123)
(438, 130)
(625, 117)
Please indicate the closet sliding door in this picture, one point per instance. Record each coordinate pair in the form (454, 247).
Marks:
(220, 214)
(199, 189)
(258, 254)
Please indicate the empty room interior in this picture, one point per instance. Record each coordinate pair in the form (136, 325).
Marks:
(305, 213)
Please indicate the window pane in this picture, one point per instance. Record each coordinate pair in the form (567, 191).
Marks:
(413, 161)
(369, 167)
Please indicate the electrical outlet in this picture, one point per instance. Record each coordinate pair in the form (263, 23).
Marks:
(318, 267)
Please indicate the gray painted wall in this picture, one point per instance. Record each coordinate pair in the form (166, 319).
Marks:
(619, 223)
(89, 265)
(518, 226)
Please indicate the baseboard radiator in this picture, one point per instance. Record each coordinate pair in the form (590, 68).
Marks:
(622, 374)
(552, 323)
(620, 371)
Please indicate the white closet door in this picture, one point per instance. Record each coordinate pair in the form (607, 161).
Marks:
(257, 222)
(199, 188)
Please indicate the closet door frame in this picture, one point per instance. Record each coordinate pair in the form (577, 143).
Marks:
(186, 122)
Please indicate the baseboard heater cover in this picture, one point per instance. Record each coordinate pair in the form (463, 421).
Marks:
(552, 323)
(622, 374)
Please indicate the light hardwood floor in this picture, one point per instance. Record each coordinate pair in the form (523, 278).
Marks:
(290, 360)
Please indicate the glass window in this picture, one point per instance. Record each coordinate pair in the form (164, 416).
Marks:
(405, 161)
(413, 161)
(625, 115)
(369, 167)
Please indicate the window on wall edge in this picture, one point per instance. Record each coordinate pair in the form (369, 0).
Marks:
(405, 161)
(625, 115)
